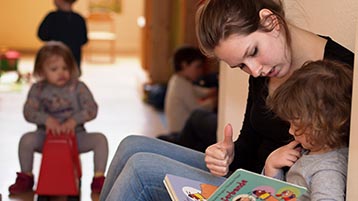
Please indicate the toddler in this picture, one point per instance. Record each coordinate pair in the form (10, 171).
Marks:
(61, 104)
(316, 101)
(66, 26)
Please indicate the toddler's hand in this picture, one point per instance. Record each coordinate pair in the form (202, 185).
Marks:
(53, 126)
(284, 156)
(68, 126)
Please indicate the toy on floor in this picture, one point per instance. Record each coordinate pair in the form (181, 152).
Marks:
(62, 176)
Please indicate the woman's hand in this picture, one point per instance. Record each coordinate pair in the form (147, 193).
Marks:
(219, 156)
(284, 156)
(53, 126)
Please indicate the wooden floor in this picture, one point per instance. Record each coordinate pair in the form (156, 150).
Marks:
(117, 89)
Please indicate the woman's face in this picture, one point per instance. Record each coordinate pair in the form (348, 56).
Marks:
(258, 54)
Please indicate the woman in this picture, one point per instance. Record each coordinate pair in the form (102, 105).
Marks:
(254, 36)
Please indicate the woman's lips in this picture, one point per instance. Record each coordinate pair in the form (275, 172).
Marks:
(273, 72)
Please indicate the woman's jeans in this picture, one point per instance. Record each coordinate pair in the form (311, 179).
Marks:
(140, 164)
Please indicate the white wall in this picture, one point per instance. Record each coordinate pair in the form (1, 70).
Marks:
(336, 19)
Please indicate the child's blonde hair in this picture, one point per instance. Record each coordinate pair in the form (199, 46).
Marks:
(55, 48)
(317, 98)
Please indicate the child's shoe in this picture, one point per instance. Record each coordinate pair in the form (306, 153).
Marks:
(97, 184)
(22, 184)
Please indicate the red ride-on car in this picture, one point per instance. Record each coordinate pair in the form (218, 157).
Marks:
(60, 171)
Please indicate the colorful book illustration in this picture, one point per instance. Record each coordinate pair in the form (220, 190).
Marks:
(184, 189)
(242, 185)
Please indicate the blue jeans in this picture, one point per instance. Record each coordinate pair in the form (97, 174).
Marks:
(139, 166)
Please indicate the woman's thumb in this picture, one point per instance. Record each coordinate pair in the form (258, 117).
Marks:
(228, 135)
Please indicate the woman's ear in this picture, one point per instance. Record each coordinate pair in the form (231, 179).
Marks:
(264, 13)
(268, 19)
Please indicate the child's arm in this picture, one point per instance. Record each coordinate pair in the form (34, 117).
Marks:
(204, 92)
(328, 183)
(35, 113)
(205, 98)
(33, 109)
(284, 156)
(44, 31)
(88, 106)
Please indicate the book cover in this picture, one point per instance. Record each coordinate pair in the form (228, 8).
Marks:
(184, 189)
(244, 185)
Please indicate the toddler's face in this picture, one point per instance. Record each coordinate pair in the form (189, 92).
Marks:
(193, 70)
(300, 135)
(55, 71)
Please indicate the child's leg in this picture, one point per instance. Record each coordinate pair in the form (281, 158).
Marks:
(30, 143)
(98, 143)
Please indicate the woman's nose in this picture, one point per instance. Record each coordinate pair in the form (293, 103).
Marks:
(256, 69)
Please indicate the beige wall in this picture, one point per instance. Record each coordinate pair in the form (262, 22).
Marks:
(337, 19)
(20, 20)
(353, 147)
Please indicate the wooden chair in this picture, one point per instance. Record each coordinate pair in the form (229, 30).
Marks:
(101, 30)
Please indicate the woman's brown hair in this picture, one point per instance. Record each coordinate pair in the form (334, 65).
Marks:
(219, 19)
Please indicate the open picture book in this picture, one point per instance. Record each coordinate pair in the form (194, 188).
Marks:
(242, 185)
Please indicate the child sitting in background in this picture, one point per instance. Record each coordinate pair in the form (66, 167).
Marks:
(316, 101)
(182, 96)
(58, 102)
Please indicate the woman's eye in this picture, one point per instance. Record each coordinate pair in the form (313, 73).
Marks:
(254, 52)
(241, 66)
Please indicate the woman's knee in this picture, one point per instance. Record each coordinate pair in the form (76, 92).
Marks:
(142, 163)
(131, 139)
(133, 144)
